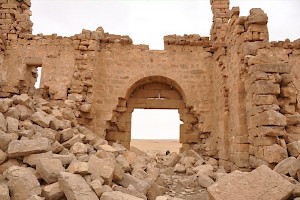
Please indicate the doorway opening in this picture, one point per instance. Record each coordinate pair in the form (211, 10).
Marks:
(156, 130)
(37, 75)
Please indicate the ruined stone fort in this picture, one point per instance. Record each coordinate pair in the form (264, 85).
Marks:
(235, 91)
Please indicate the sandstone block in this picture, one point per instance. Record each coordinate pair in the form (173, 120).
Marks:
(123, 162)
(262, 183)
(5, 139)
(75, 187)
(22, 183)
(3, 156)
(274, 153)
(79, 148)
(5, 104)
(19, 148)
(33, 159)
(139, 185)
(204, 180)
(285, 166)
(293, 119)
(268, 118)
(49, 169)
(294, 148)
(172, 160)
(179, 168)
(53, 192)
(116, 195)
(97, 187)
(4, 192)
(35, 197)
(103, 168)
(3, 123)
(118, 173)
(65, 159)
(12, 125)
(22, 99)
(9, 163)
(41, 118)
(271, 68)
(77, 167)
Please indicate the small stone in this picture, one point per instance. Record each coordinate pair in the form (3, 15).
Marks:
(179, 168)
(78, 148)
(53, 192)
(4, 192)
(77, 167)
(3, 156)
(204, 180)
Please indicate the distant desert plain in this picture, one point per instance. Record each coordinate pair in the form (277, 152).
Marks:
(156, 146)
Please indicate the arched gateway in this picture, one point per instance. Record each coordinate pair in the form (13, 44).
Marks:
(153, 92)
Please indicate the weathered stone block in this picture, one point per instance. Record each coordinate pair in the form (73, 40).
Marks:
(53, 192)
(271, 68)
(294, 148)
(285, 166)
(22, 183)
(49, 169)
(103, 168)
(19, 148)
(116, 195)
(41, 118)
(274, 153)
(268, 118)
(138, 184)
(75, 187)
(4, 192)
(262, 183)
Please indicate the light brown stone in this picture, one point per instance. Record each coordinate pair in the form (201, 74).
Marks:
(22, 183)
(261, 183)
(19, 148)
(53, 192)
(49, 169)
(75, 187)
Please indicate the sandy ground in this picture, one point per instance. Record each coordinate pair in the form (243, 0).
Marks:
(152, 146)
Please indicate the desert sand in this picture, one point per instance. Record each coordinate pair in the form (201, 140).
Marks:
(159, 146)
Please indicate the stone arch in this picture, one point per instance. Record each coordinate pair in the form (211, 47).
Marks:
(152, 92)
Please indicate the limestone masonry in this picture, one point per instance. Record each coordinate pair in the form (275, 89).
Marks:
(236, 91)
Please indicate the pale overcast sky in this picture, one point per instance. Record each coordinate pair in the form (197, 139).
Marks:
(146, 22)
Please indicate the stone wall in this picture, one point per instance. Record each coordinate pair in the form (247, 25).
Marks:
(236, 92)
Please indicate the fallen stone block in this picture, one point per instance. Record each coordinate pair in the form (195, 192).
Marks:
(65, 159)
(5, 139)
(103, 168)
(285, 166)
(75, 187)
(116, 195)
(172, 160)
(22, 183)
(12, 125)
(41, 118)
(49, 169)
(274, 153)
(35, 197)
(79, 148)
(4, 192)
(3, 156)
(53, 192)
(294, 148)
(3, 123)
(5, 104)
(204, 180)
(19, 148)
(139, 185)
(77, 167)
(33, 159)
(260, 184)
